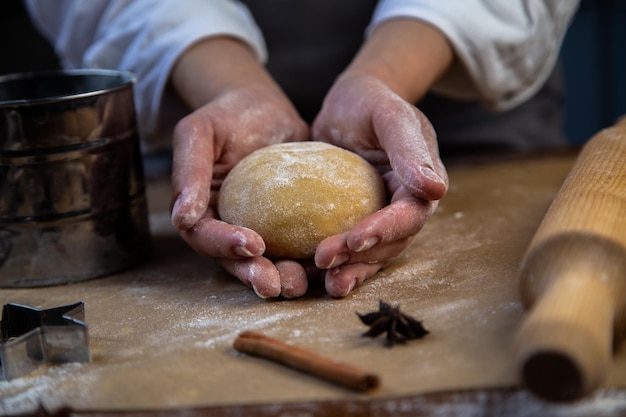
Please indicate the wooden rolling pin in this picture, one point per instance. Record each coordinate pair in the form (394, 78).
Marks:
(573, 276)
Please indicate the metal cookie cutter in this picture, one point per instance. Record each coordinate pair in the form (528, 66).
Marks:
(31, 337)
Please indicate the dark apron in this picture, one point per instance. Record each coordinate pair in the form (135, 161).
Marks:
(310, 43)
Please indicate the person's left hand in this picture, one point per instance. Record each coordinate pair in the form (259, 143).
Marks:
(361, 114)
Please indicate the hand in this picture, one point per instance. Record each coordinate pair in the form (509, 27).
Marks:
(368, 111)
(363, 115)
(242, 114)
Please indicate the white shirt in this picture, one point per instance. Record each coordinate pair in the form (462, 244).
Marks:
(506, 48)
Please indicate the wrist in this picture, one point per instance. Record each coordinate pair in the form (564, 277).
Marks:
(216, 65)
(407, 55)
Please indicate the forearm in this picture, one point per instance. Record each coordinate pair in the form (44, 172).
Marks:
(504, 50)
(215, 65)
(406, 54)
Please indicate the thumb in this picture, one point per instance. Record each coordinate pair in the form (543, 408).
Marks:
(410, 142)
(192, 171)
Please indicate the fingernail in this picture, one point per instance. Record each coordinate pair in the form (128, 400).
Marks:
(368, 244)
(431, 175)
(184, 213)
(338, 260)
(243, 251)
(350, 287)
(175, 208)
(264, 288)
(256, 291)
(334, 291)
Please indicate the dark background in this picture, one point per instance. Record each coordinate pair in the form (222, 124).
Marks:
(593, 59)
(594, 62)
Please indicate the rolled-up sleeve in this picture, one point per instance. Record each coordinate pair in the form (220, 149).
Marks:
(505, 49)
(145, 37)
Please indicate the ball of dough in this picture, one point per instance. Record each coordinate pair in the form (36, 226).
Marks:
(296, 194)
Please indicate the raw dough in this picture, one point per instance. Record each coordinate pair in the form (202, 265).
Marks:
(296, 194)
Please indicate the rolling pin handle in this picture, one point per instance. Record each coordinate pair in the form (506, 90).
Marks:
(564, 353)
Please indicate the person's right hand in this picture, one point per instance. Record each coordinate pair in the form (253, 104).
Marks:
(234, 117)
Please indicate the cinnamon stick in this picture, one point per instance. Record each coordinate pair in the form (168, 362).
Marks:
(260, 345)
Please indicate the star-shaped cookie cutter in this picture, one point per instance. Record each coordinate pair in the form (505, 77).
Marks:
(31, 337)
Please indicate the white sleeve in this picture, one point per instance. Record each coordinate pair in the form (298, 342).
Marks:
(145, 37)
(505, 49)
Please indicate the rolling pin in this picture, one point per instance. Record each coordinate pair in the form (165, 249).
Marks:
(573, 276)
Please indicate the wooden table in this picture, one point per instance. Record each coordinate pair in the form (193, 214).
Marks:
(161, 334)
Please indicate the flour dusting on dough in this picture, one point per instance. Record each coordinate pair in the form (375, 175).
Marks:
(296, 194)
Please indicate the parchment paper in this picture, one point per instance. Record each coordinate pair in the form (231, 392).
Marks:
(161, 334)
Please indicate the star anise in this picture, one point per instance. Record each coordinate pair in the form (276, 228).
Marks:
(399, 326)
